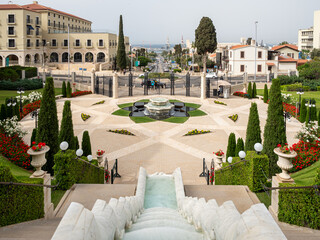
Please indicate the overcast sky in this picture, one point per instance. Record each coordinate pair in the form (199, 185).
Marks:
(152, 21)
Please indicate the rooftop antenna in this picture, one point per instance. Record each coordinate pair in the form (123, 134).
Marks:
(10, 2)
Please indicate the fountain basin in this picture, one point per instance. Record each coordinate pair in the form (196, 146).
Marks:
(159, 108)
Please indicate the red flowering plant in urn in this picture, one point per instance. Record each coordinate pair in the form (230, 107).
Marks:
(284, 149)
(219, 153)
(37, 147)
(100, 153)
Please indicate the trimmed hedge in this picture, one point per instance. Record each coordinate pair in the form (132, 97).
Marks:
(30, 71)
(300, 206)
(69, 170)
(247, 173)
(19, 203)
(27, 84)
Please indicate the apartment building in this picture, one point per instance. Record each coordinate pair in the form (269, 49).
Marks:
(310, 38)
(38, 35)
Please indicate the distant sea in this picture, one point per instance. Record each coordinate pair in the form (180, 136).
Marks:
(150, 45)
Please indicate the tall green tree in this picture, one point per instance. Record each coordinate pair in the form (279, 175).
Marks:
(308, 116)
(253, 134)
(274, 130)
(205, 39)
(265, 94)
(69, 90)
(315, 53)
(240, 146)
(3, 113)
(250, 90)
(121, 52)
(303, 110)
(283, 43)
(231, 149)
(177, 49)
(48, 128)
(66, 129)
(86, 144)
(76, 142)
(254, 90)
(319, 118)
(33, 136)
(64, 89)
(313, 110)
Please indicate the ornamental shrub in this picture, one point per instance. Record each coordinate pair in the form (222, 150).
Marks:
(48, 128)
(303, 111)
(308, 115)
(66, 129)
(253, 134)
(249, 90)
(19, 203)
(86, 144)
(76, 143)
(274, 131)
(240, 146)
(33, 136)
(64, 89)
(231, 150)
(313, 110)
(319, 118)
(3, 112)
(254, 90)
(69, 91)
(27, 84)
(265, 94)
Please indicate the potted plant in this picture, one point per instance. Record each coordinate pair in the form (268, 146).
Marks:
(219, 154)
(38, 154)
(100, 156)
(285, 155)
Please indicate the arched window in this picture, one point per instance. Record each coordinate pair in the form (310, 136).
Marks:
(89, 57)
(28, 58)
(65, 57)
(77, 57)
(36, 58)
(54, 57)
(101, 57)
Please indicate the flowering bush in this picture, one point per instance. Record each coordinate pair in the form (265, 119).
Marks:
(85, 116)
(220, 153)
(107, 175)
(30, 108)
(241, 94)
(97, 103)
(100, 152)
(80, 93)
(12, 127)
(15, 150)
(122, 131)
(32, 97)
(37, 147)
(310, 133)
(234, 117)
(195, 132)
(211, 177)
(284, 148)
(290, 108)
(218, 102)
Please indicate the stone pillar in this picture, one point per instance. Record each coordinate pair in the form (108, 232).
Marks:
(48, 205)
(93, 77)
(203, 85)
(268, 76)
(23, 74)
(245, 82)
(115, 86)
(43, 77)
(73, 79)
(276, 180)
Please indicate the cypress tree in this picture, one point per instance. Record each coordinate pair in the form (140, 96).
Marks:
(48, 128)
(240, 146)
(313, 110)
(16, 111)
(76, 143)
(274, 130)
(8, 109)
(33, 136)
(86, 144)
(68, 90)
(64, 89)
(265, 94)
(319, 118)
(306, 121)
(254, 90)
(66, 129)
(121, 51)
(303, 111)
(250, 90)
(231, 150)
(3, 113)
(253, 134)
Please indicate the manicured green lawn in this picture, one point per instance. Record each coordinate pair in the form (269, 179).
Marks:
(305, 177)
(193, 105)
(56, 196)
(197, 113)
(15, 170)
(142, 119)
(264, 198)
(176, 119)
(125, 105)
(8, 93)
(121, 112)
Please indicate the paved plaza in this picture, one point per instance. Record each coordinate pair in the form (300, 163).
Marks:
(160, 146)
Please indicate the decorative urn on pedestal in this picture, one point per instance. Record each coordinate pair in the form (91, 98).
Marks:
(219, 155)
(38, 154)
(285, 156)
(100, 154)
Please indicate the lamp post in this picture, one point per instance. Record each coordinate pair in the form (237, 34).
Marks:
(300, 92)
(20, 92)
(286, 116)
(255, 51)
(34, 115)
(309, 105)
(258, 148)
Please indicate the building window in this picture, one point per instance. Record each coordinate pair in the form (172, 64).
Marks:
(49, 22)
(48, 14)
(241, 68)
(259, 68)
(100, 42)
(37, 21)
(65, 42)
(54, 15)
(54, 23)
(29, 31)
(242, 54)
(77, 42)
(44, 43)
(12, 43)
(28, 19)
(54, 43)
(28, 43)
(11, 18)
(89, 43)
(10, 30)
(37, 43)
(58, 16)
(230, 54)
(290, 55)
(260, 54)
(37, 31)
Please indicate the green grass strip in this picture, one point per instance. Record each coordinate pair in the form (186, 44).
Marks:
(193, 105)
(197, 113)
(305, 177)
(121, 112)
(176, 119)
(125, 105)
(15, 170)
(142, 119)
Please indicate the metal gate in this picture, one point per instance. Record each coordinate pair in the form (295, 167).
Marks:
(97, 85)
(110, 87)
(188, 84)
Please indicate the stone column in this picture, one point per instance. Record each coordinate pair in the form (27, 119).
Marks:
(93, 77)
(44, 77)
(245, 82)
(115, 86)
(274, 207)
(268, 76)
(48, 205)
(73, 79)
(203, 85)
(23, 74)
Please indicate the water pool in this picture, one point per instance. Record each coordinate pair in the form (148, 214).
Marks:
(160, 192)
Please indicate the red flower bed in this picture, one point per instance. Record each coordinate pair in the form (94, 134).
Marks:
(241, 94)
(290, 108)
(30, 108)
(307, 155)
(15, 150)
(80, 93)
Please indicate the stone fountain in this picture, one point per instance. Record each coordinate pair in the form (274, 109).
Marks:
(159, 108)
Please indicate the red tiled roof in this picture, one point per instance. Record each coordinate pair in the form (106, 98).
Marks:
(213, 55)
(302, 61)
(294, 47)
(13, 7)
(238, 46)
(38, 7)
(286, 59)
(270, 64)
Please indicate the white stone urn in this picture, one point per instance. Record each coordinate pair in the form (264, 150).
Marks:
(100, 160)
(219, 160)
(285, 162)
(38, 160)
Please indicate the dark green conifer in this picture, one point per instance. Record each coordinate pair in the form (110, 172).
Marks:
(303, 110)
(86, 144)
(69, 90)
(254, 90)
(240, 146)
(253, 134)
(265, 94)
(33, 136)
(66, 129)
(64, 89)
(121, 52)
(231, 150)
(249, 90)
